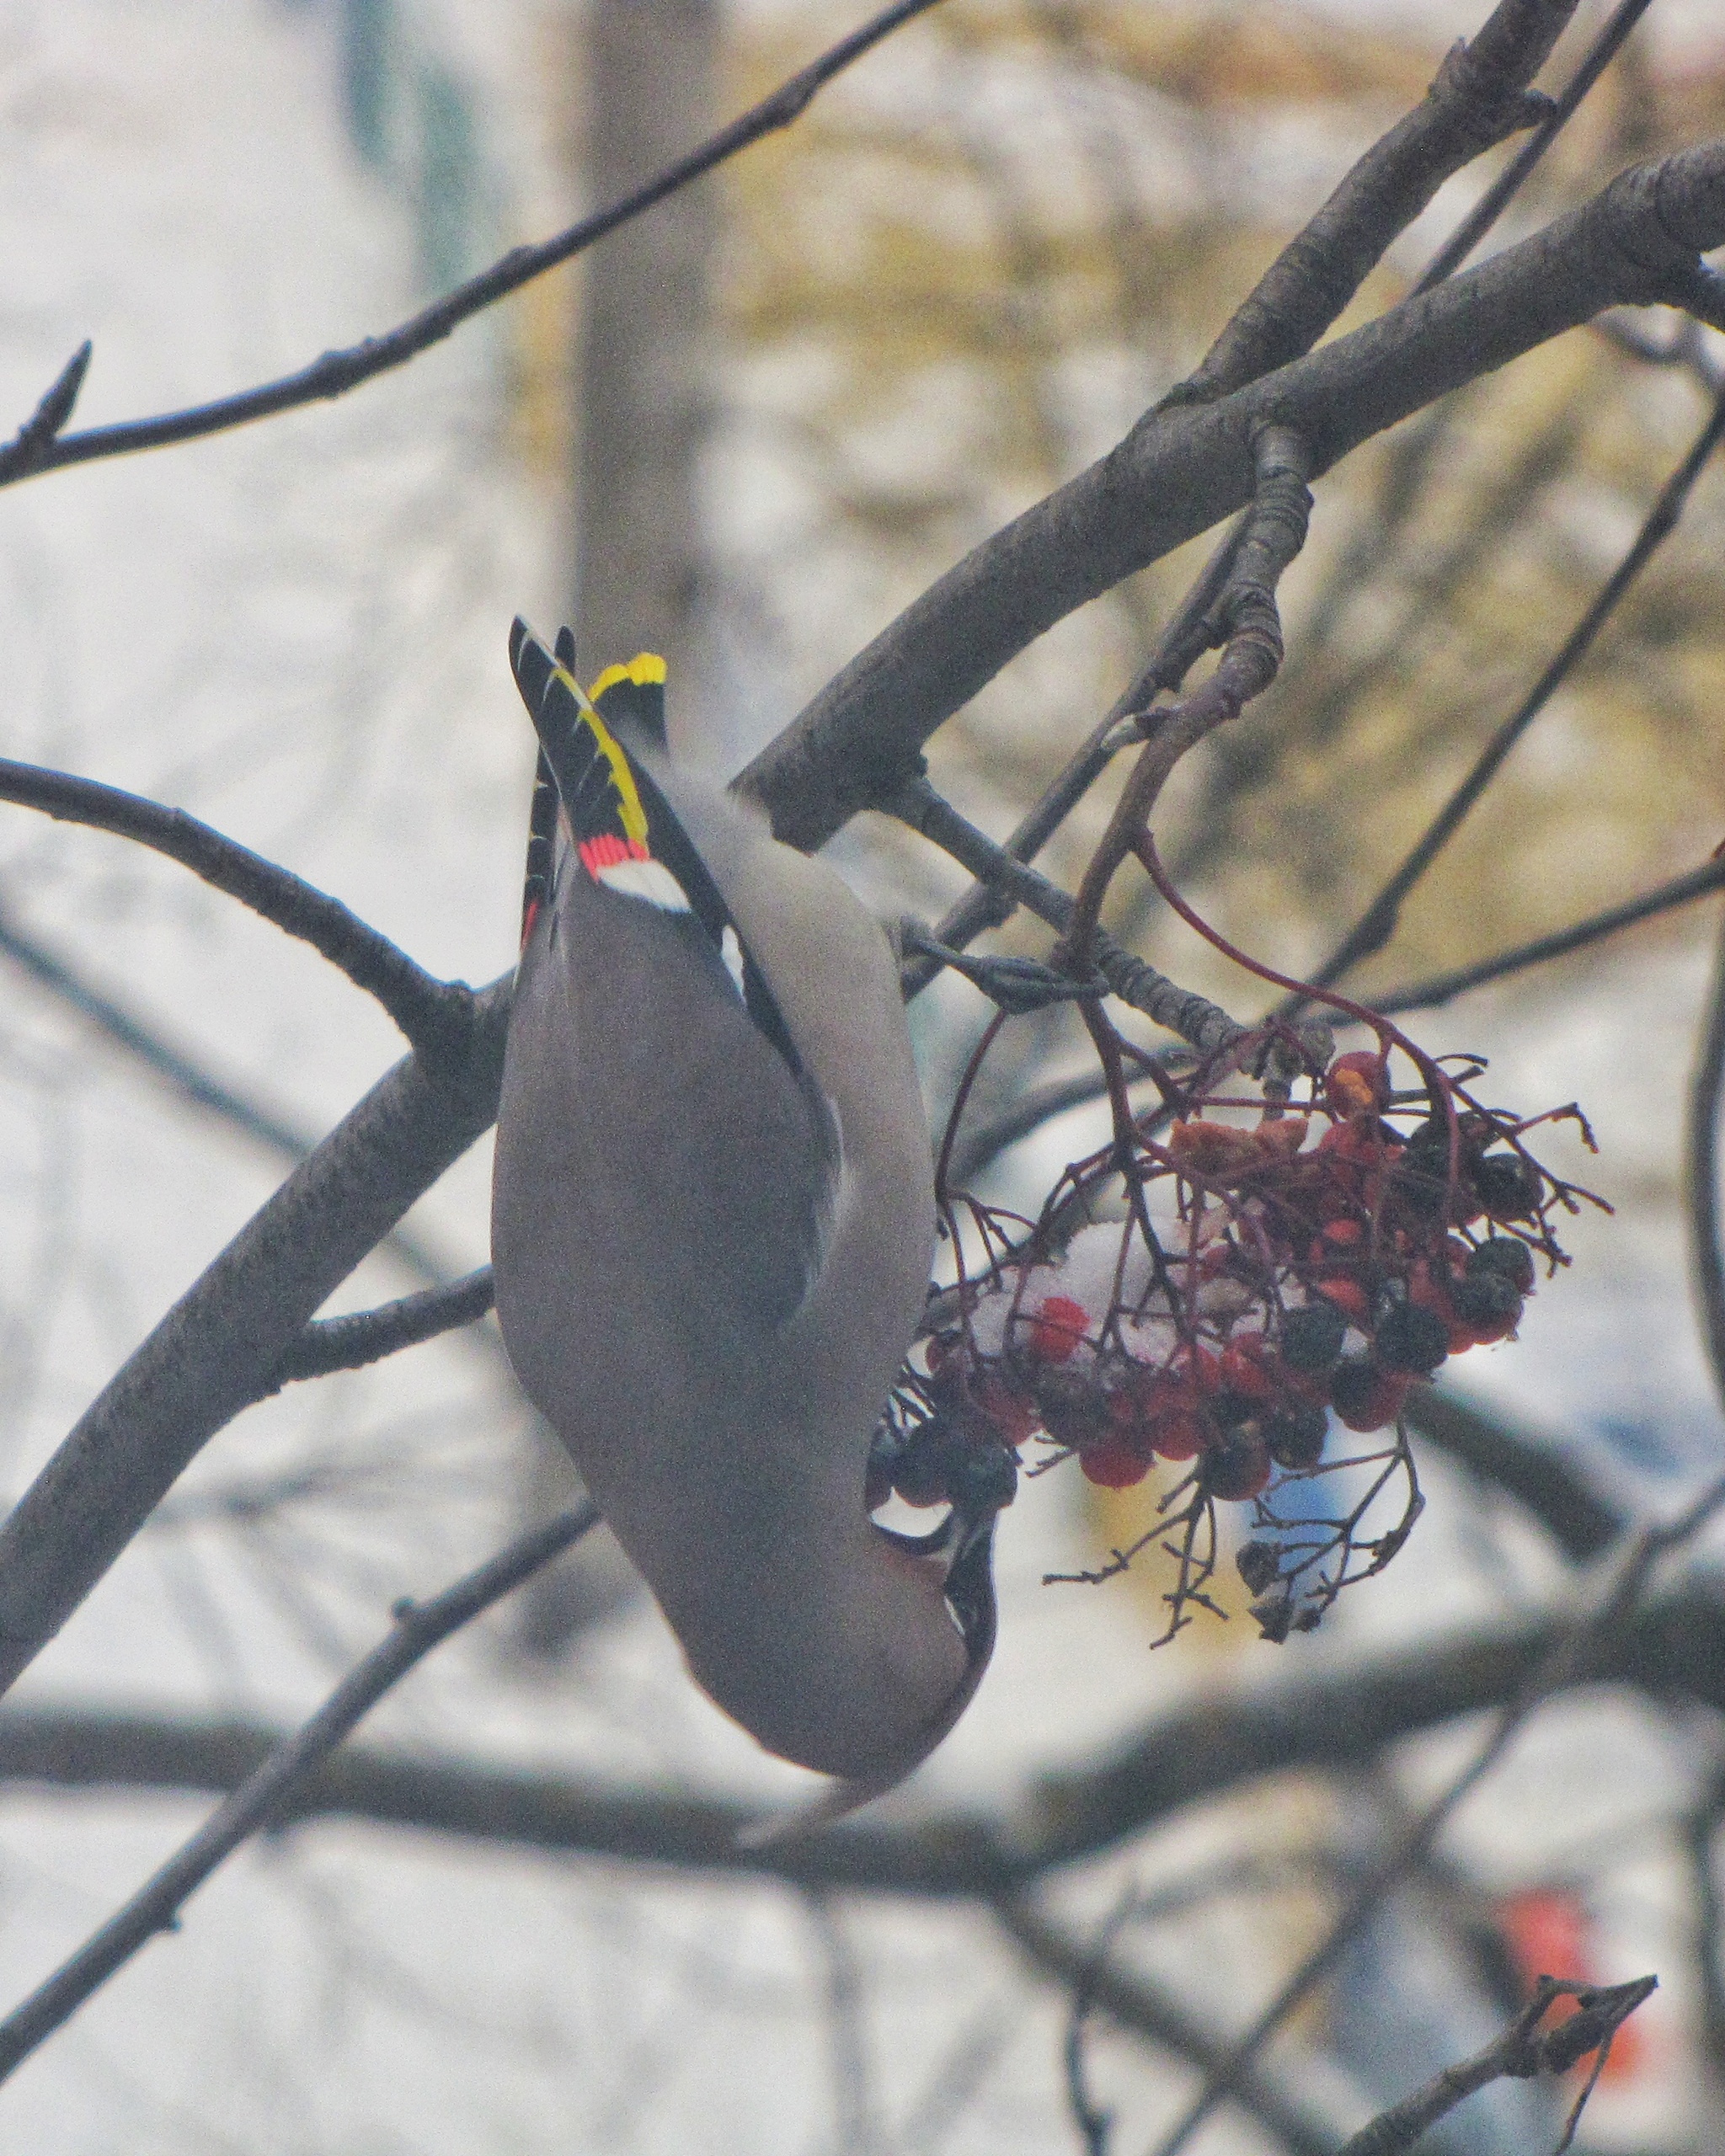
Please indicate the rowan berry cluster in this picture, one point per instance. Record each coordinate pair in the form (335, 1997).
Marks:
(1314, 1261)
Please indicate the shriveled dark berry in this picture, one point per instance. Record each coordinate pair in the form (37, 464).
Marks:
(1505, 1259)
(1295, 1434)
(1274, 1614)
(1486, 1298)
(1410, 1337)
(1312, 1338)
(1072, 1405)
(1238, 1465)
(1507, 1186)
(1257, 1564)
(983, 1480)
(921, 1469)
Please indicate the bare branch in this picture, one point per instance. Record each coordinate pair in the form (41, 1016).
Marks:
(1479, 97)
(1706, 1258)
(215, 1352)
(1327, 1718)
(1491, 206)
(1541, 1477)
(337, 372)
(1439, 988)
(1179, 472)
(270, 1788)
(1521, 2052)
(349, 1343)
(435, 1016)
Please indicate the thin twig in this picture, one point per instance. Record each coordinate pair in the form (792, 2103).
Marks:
(1137, 2002)
(24, 452)
(1521, 2052)
(435, 1016)
(1194, 1018)
(270, 1791)
(1377, 924)
(1439, 988)
(1094, 2124)
(349, 1343)
(1706, 1259)
(337, 372)
(1569, 1654)
(1246, 614)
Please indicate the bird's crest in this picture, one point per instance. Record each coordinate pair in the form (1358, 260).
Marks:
(625, 833)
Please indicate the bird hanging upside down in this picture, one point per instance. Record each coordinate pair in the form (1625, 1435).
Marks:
(713, 1221)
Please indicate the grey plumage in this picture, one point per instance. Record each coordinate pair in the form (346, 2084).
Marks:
(711, 1258)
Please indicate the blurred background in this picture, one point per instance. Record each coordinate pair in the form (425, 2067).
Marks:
(746, 432)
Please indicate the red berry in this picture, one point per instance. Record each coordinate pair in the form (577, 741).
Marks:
(1237, 1466)
(1056, 1328)
(1358, 1083)
(1180, 1434)
(1114, 1466)
(1366, 1397)
(1246, 1367)
(1347, 1296)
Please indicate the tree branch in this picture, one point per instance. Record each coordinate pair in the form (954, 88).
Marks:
(269, 1789)
(337, 372)
(1138, 2003)
(1522, 2052)
(349, 1343)
(215, 1350)
(1377, 924)
(1706, 1257)
(1178, 472)
(1439, 988)
(1479, 97)
(1327, 1719)
(435, 1016)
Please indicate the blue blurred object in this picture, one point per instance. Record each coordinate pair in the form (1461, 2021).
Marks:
(367, 37)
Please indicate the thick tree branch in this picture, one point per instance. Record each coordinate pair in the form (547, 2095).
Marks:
(1179, 472)
(435, 1014)
(1325, 1719)
(269, 1789)
(337, 372)
(1479, 97)
(215, 1350)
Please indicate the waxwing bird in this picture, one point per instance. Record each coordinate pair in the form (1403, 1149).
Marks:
(713, 1221)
